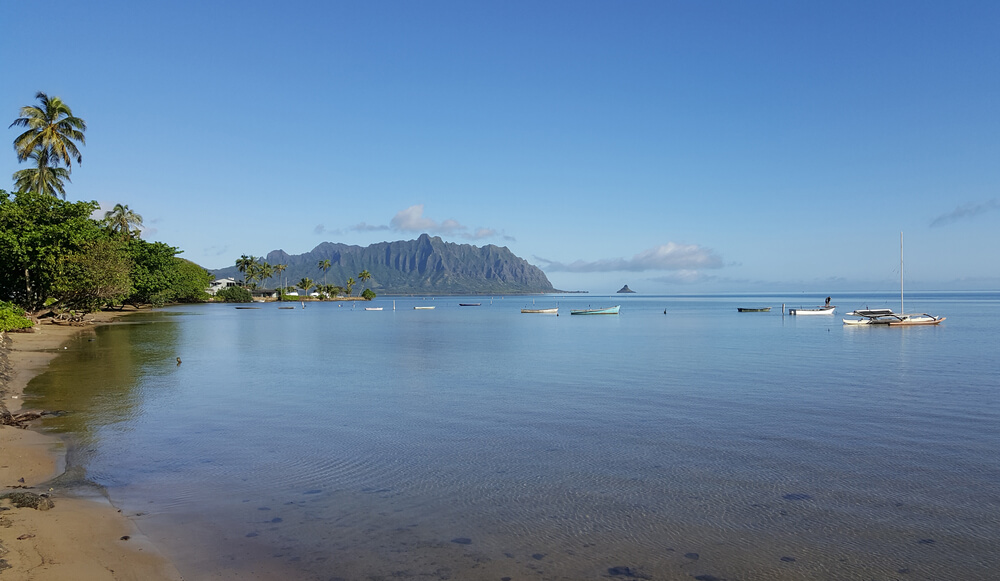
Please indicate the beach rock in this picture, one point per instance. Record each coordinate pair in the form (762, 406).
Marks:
(28, 500)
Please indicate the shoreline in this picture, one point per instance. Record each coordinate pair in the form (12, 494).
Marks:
(81, 537)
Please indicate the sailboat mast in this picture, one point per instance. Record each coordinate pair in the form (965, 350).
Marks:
(901, 308)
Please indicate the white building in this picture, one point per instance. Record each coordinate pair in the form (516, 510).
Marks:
(220, 284)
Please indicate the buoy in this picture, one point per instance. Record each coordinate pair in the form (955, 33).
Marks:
(178, 361)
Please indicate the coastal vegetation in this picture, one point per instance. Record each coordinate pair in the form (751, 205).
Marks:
(12, 317)
(234, 294)
(55, 255)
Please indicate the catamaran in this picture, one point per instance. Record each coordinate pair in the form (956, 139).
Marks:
(886, 316)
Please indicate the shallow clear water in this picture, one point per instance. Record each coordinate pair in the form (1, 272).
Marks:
(331, 442)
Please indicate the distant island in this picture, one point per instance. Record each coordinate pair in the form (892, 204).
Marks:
(425, 266)
(625, 289)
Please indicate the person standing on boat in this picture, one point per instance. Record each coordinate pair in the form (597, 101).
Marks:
(828, 301)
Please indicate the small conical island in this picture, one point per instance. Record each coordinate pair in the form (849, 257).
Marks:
(625, 289)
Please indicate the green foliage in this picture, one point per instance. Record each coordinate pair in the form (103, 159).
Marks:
(12, 317)
(97, 275)
(368, 294)
(192, 280)
(154, 272)
(37, 233)
(234, 294)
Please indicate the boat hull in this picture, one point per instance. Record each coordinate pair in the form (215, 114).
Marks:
(553, 311)
(606, 311)
(812, 311)
(753, 310)
(422, 308)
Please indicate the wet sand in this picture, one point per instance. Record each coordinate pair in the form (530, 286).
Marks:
(81, 538)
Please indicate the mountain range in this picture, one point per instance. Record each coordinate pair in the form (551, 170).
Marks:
(427, 265)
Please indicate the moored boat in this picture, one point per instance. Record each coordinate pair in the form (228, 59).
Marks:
(813, 311)
(422, 308)
(552, 310)
(469, 304)
(605, 311)
(753, 309)
(887, 317)
(373, 308)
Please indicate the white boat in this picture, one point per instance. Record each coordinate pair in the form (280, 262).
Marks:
(887, 317)
(373, 308)
(553, 310)
(813, 311)
(422, 308)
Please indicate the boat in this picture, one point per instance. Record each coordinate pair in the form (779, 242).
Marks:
(753, 309)
(292, 308)
(605, 311)
(247, 308)
(553, 310)
(469, 304)
(889, 318)
(828, 310)
(422, 308)
(373, 308)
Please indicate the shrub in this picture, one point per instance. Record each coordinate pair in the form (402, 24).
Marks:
(234, 294)
(368, 294)
(12, 318)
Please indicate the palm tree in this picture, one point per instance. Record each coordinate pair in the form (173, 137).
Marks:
(123, 220)
(350, 285)
(244, 264)
(42, 178)
(325, 266)
(51, 134)
(335, 290)
(278, 269)
(305, 284)
(364, 276)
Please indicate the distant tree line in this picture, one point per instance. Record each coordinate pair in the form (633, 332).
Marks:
(257, 270)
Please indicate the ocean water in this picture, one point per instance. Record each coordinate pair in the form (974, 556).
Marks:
(678, 440)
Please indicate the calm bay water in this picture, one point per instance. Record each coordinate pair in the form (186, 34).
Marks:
(329, 442)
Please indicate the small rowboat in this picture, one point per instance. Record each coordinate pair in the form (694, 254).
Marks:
(605, 311)
(292, 308)
(422, 308)
(373, 308)
(469, 304)
(247, 308)
(753, 309)
(553, 310)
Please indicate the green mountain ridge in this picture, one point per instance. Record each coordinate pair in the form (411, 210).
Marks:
(427, 266)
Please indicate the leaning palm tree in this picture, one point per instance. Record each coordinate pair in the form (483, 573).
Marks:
(51, 133)
(325, 266)
(349, 285)
(124, 221)
(364, 276)
(42, 179)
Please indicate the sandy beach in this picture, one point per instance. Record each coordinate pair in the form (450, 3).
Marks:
(85, 539)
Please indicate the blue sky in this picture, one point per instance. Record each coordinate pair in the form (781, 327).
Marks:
(678, 147)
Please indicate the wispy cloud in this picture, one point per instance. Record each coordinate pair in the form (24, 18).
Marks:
(669, 256)
(323, 231)
(965, 211)
(363, 227)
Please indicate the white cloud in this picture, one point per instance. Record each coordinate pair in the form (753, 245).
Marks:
(669, 256)
(412, 220)
(363, 227)
(964, 211)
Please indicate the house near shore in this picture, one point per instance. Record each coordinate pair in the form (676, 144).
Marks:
(221, 283)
